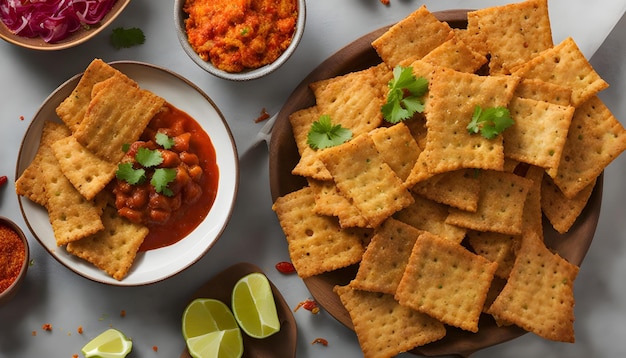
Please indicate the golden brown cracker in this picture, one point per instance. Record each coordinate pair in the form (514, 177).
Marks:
(397, 147)
(352, 100)
(113, 249)
(561, 211)
(385, 257)
(428, 215)
(316, 243)
(413, 37)
(301, 121)
(538, 135)
(495, 247)
(459, 189)
(455, 54)
(383, 327)
(117, 115)
(310, 166)
(31, 182)
(329, 201)
(594, 140)
(539, 293)
(446, 281)
(543, 91)
(515, 33)
(453, 97)
(365, 179)
(565, 65)
(500, 204)
(88, 173)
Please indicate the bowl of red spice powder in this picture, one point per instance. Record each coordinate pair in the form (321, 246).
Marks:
(14, 256)
(239, 40)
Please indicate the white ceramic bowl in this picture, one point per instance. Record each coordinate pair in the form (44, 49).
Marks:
(179, 19)
(74, 39)
(158, 264)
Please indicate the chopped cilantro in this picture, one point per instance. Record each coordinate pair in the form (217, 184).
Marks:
(126, 172)
(124, 38)
(148, 157)
(125, 147)
(324, 134)
(490, 121)
(405, 95)
(161, 178)
(164, 140)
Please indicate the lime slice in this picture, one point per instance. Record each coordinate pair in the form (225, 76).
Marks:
(109, 344)
(254, 307)
(210, 330)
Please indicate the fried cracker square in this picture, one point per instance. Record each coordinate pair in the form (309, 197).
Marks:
(495, 247)
(413, 37)
(539, 293)
(31, 183)
(538, 135)
(565, 65)
(428, 215)
(455, 54)
(397, 147)
(539, 90)
(383, 327)
(309, 166)
(561, 211)
(87, 172)
(316, 243)
(352, 100)
(117, 114)
(502, 212)
(515, 33)
(386, 257)
(365, 179)
(72, 109)
(594, 140)
(329, 201)
(113, 249)
(459, 189)
(446, 281)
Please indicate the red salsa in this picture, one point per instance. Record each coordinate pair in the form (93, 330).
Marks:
(171, 215)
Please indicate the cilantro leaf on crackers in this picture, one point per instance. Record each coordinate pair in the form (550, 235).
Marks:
(325, 134)
(405, 95)
(490, 121)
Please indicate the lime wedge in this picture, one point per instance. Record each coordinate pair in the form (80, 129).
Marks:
(109, 344)
(210, 330)
(254, 307)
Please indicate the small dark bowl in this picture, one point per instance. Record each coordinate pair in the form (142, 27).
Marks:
(7, 294)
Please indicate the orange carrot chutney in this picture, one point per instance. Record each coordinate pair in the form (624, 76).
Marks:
(241, 34)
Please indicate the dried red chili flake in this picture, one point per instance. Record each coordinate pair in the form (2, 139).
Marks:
(3, 180)
(321, 341)
(123, 313)
(309, 305)
(285, 267)
(33, 333)
(46, 327)
(74, 355)
(21, 118)
(263, 116)
(80, 330)
(155, 348)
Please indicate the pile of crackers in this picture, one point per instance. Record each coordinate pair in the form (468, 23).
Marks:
(444, 225)
(78, 156)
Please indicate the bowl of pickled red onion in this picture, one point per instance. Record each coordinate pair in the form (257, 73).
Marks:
(55, 24)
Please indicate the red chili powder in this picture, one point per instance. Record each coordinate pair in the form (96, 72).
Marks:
(12, 256)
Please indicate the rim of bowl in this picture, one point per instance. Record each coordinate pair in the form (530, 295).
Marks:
(179, 20)
(74, 39)
(12, 289)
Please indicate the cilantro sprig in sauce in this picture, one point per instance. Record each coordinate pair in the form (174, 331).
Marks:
(404, 98)
(148, 159)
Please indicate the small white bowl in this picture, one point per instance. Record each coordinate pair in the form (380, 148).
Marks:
(179, 19)
(74, 39)
(9, 292)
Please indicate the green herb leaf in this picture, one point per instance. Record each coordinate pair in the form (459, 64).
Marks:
(490, 122)
(126, 172)
(164, 140)
(324, 134)
(148, 157)
(404, 98)
(161, 178)
(124, 38)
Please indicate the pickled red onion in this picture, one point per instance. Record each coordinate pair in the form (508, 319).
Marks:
(52, 20)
